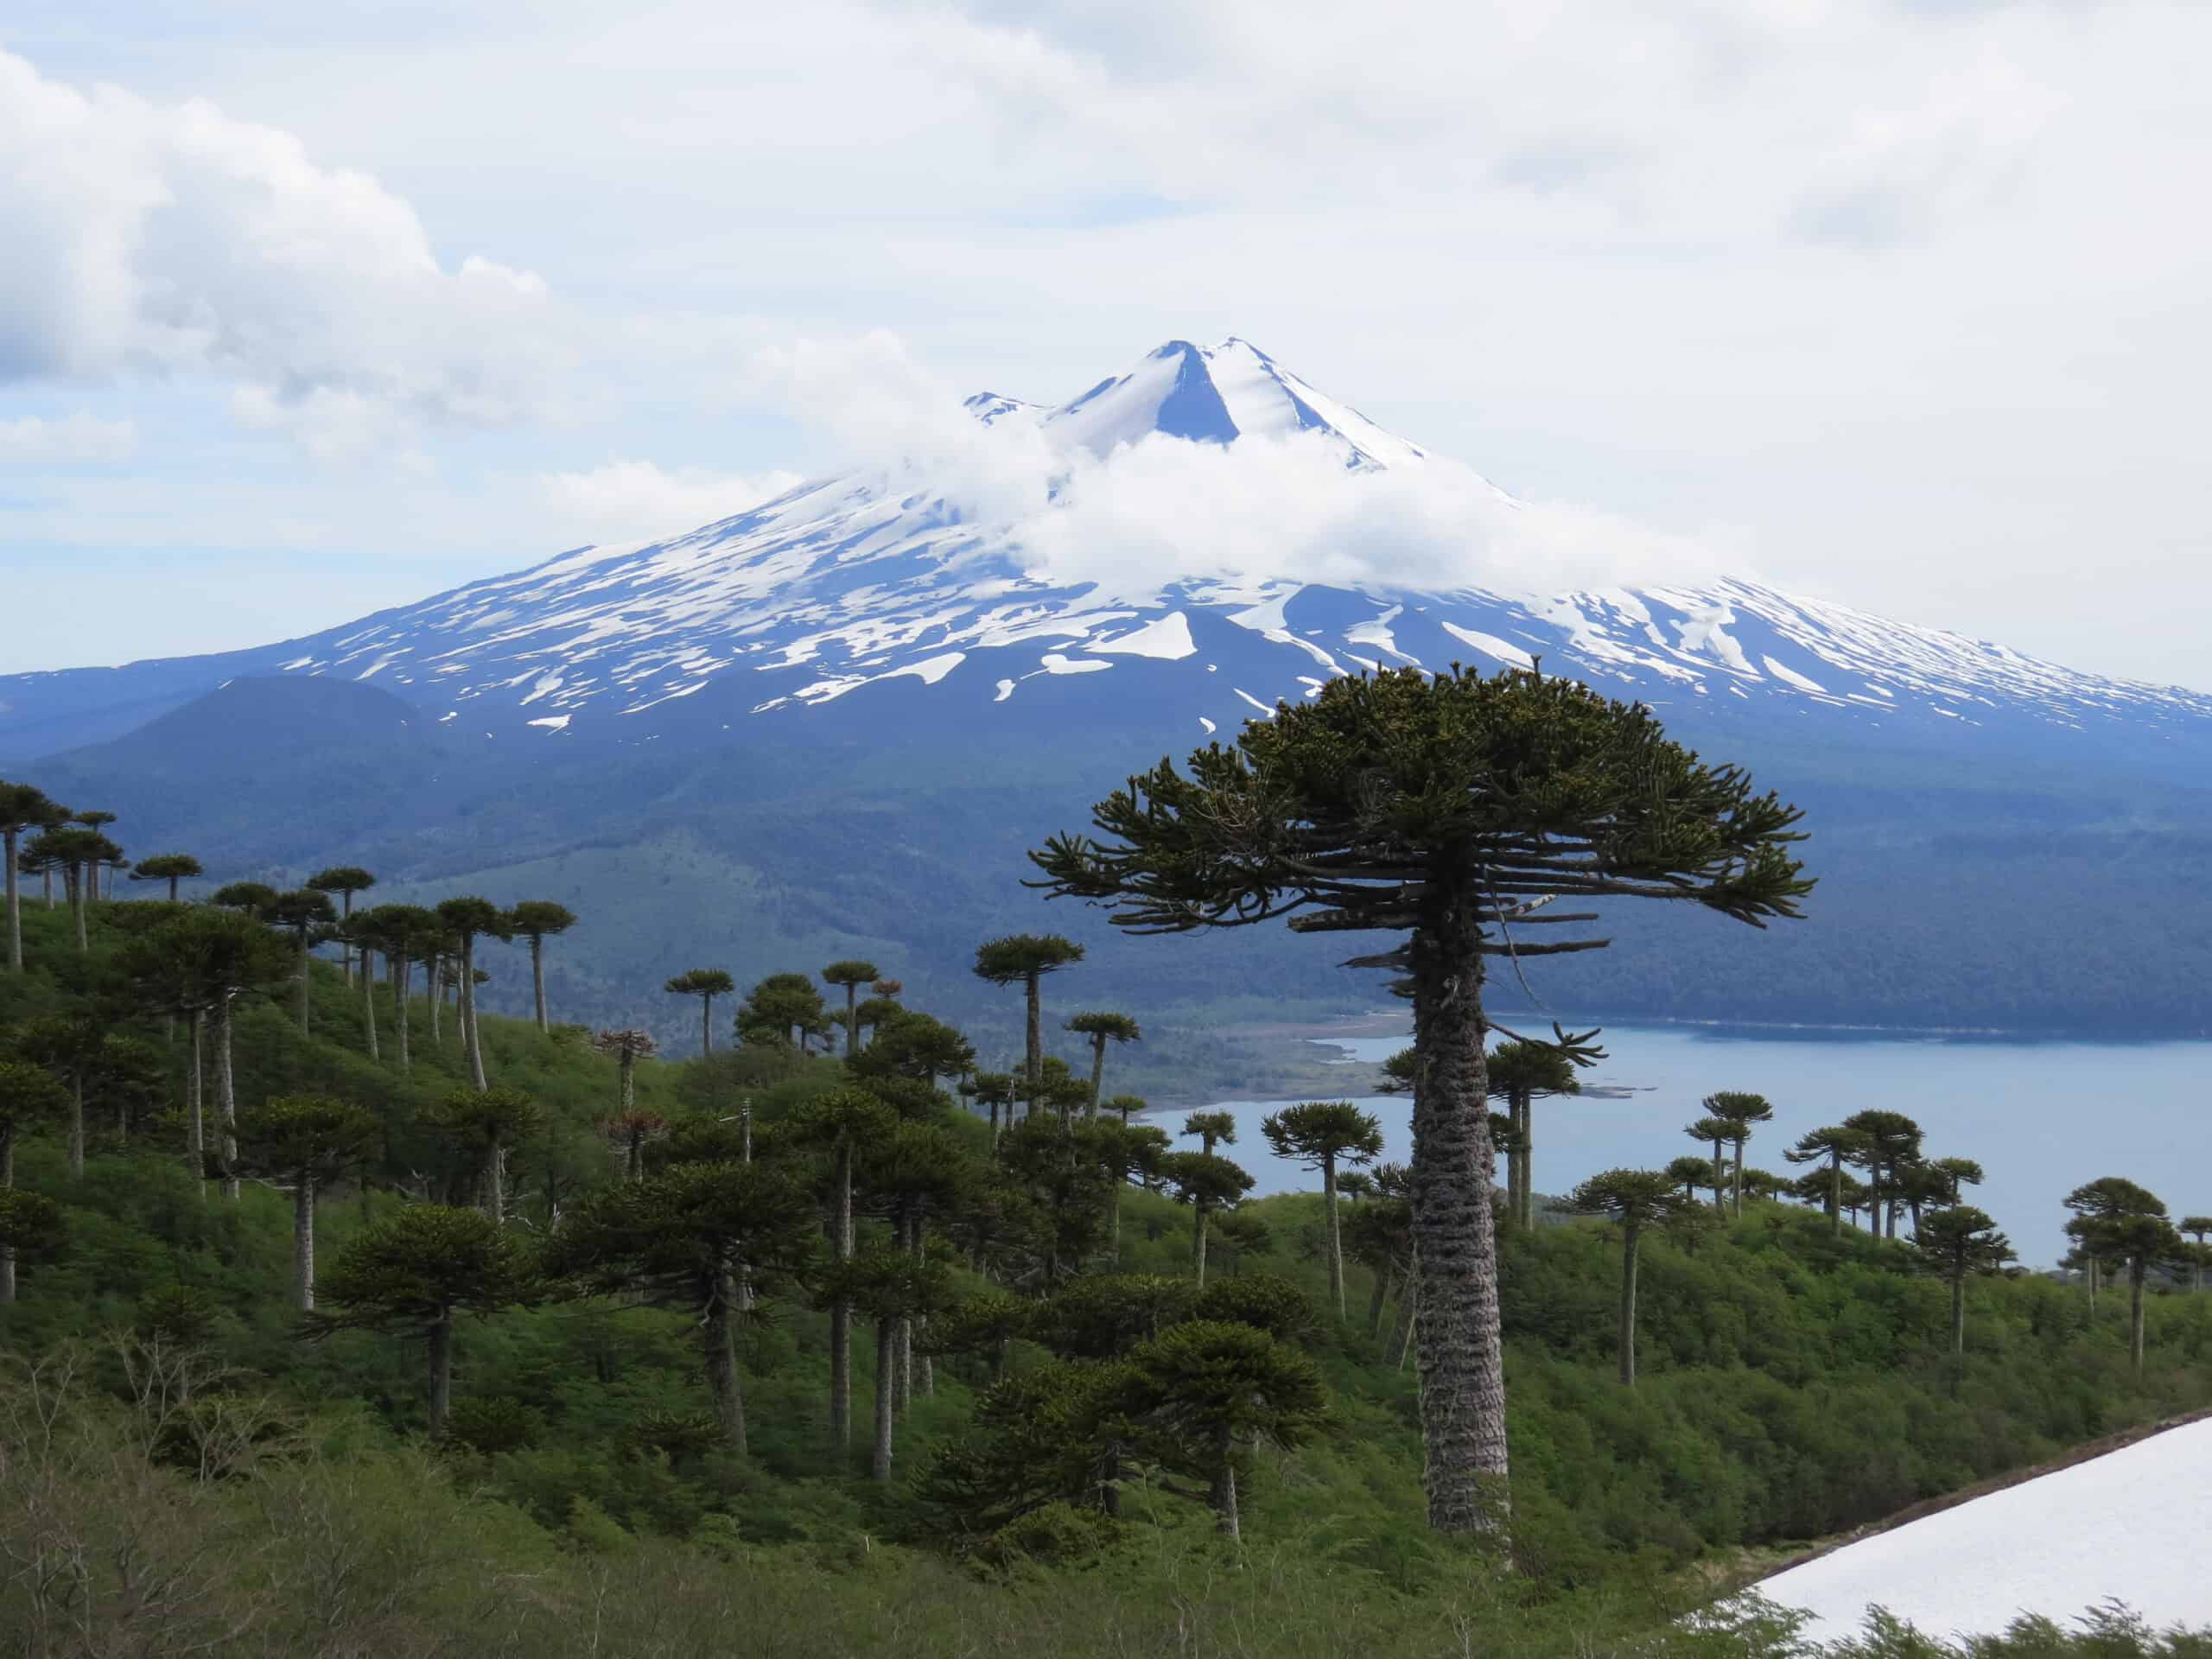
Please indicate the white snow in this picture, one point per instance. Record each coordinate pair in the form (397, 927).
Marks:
(929, 669)
(1793, 678)
(1264, 708)
(2128, 1525)
(556, 722)
(1005, 690)
(1056, 663)
(1169, 638)
(1377, 631)
(1490, 645)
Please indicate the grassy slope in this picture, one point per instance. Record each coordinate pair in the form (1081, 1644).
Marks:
(1794, 1386)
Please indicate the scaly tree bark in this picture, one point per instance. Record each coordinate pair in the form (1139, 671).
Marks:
(1454, 808)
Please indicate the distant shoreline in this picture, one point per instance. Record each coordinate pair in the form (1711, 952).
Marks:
(1389, 1022)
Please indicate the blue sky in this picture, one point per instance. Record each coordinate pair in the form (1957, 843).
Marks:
(305, 311)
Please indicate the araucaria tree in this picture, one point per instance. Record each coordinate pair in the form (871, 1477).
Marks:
(22, 808)
(1740, 1111)
(415, 1273)
(852, 974)
(706, 984)
(1024, 959)
(487, 1124)
(783, 1011)
(1103, 1028)
(345, 881)
(1835, 1145)
(302, 914)
(469, 919)
(1207, 1183)
(1452, 808)
(1519, 1072)
(1956, 1243)
(840, 1123)
(171, 867)
(1714, 1132)
(1639, 1199)
(538, 920)
(1326, 1136)
(304, 1140)
(698, 1236)
(2116, 1220)
(627, 1046)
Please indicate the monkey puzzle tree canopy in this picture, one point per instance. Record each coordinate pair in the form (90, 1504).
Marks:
(1455, 807)
(171, 867)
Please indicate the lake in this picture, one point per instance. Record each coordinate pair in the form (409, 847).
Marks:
(2042, 1117)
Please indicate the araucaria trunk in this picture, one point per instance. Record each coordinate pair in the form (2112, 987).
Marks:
(1835, 1194)
(1336, 1234)
(15, 906)
(1036, 1039)
(1457, 1336)
(538, 975)
(431, 970)
(1225, 1520)
(303, 1244)
(226, 1101)
(1097, 1070)
(469, 1035)
(1958, 1313)
(1198, 1241)
(886, 1355)
(369, 1006)
(1630, 1239)
(399, 1013)
(841, 1313)
(300, 994)
(720, 1338)
(195, 1131)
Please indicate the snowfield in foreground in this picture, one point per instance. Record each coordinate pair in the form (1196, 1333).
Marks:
(2129, 1526)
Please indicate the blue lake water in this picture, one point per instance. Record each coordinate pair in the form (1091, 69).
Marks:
(2042, 1117)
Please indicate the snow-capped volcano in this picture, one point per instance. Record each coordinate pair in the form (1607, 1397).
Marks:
(880, 584)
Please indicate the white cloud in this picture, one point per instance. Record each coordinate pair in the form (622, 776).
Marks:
(177, 240)
(625, 500)
(35, 441)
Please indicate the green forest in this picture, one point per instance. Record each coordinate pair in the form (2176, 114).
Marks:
(341, 1318)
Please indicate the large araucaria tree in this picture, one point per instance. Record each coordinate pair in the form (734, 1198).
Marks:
(1452, 808)
(1326, 1136)
(538, 920)
(1639, 1199)
(1024, 959)
(706, 984)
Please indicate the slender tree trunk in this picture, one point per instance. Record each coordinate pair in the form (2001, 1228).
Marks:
(852, 1018)
(469, 1034)
(401, 967)
(1460, 1347)
(369, 1006)
(1336, 1234)
(495, 1194)
(721, 1343)
(902, 1342)
(1959, 1315)
(83, 906)
(841, 1313)
(2135, 1273)
(1376, 1296)
(14, 903)
(1224, 1489)
(1737, 1196)
(2089, 1278)
(226, 1101)
(626, 1069)
(195, 1131)
(538, 984)
(707, 1027)
(299, 995)
(1036, 1037)
(441, 1335)
(928, 1369)
(1402, 1328)
(1630, 1239)
(1719, 1179)
(886, 1342)
(1835, 1194)
(345, 946)
(1198, 1240)
(434, 970)
(76, 1126)
(1097, 1070)
(304, 1243)
(7, 1251)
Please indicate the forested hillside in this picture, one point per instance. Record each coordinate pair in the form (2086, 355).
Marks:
(1088, 1449)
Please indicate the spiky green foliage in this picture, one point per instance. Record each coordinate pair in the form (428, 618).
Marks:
(172, 867)
(783, 1011)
